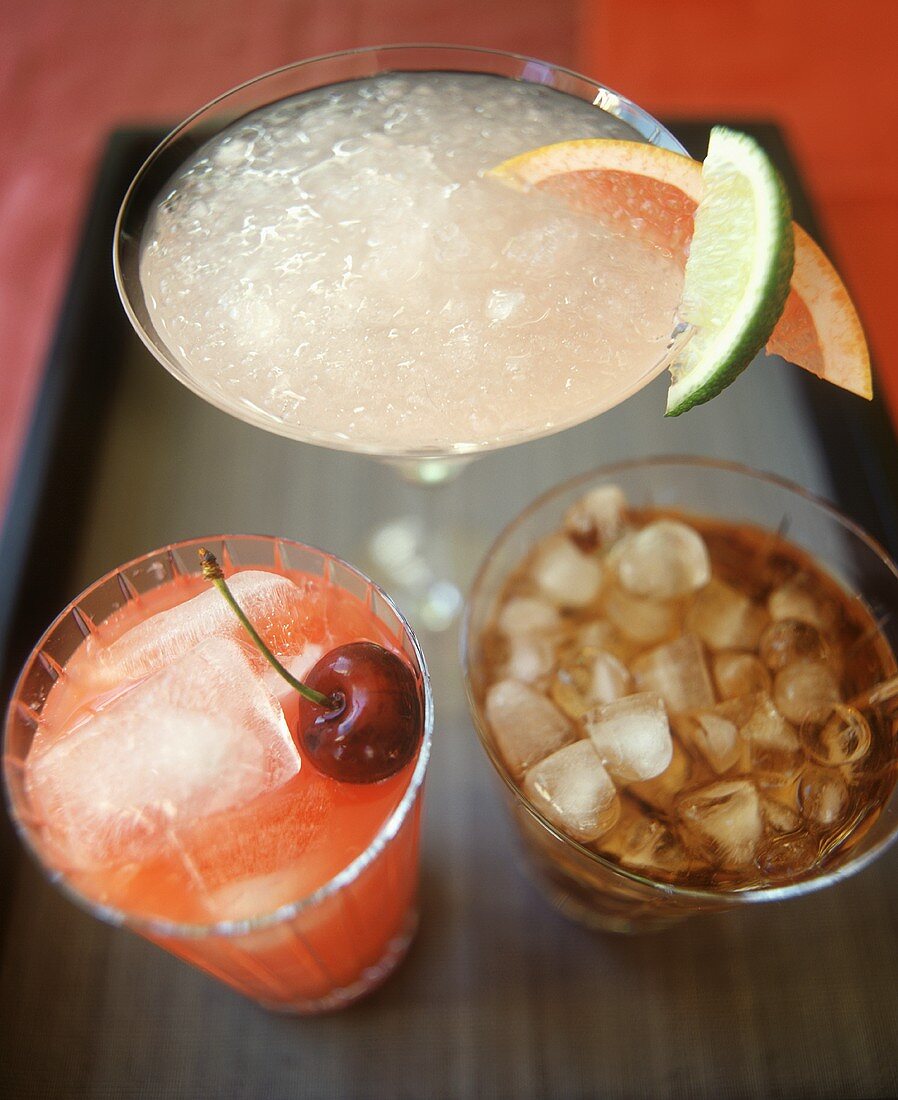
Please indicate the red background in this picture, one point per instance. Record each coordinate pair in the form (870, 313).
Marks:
(71, 70)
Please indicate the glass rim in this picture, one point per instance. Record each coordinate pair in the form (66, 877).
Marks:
(158, 926)
(600, 95)
(733, 897)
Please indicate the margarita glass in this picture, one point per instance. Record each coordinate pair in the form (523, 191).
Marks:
(370, 290)
(301, 897)
(642, 872)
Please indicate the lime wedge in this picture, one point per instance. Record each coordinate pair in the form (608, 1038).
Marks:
(738, 271)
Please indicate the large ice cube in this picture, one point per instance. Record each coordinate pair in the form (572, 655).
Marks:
(574, 791)
(664, 560)
(198, 737)
(631, 736)
(724, 821)
(278, 608)
(678, 672)
(525, 725)
(725, 618)
(565, 574)
(275, 850)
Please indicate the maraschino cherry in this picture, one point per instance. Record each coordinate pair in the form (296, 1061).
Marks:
(375, 730)
(360, 714)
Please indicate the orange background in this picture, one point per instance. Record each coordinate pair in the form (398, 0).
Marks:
(71, 70)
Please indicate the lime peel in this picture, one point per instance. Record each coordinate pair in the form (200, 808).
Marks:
(738, 270)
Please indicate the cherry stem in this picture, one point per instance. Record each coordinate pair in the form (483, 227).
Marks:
(212, 572)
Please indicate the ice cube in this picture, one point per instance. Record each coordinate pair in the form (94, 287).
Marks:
(258, 895)
(788, 640)
(596, 519)
(610, 678)
(299, 667)
(631, 736)
(565, 574)
(642, 842)
(725, 618)
(678, 672)
(501, 304)
(200, 736)
(807, 691)
(595, 634)
(788, 854)
(529, 659)
(279, 609)
(845, 738)
(664, 560)
(773, 743)
(525, 615)
(662, 791)
(738, 674)
(798, 599)
(253, 859)
(591, 676)
(525, 724)
(639, 620)
(780, 816)
(715, 733)
(724, 821)
(573, 790)
(823, 796)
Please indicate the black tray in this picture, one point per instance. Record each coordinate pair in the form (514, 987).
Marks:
(499, 996)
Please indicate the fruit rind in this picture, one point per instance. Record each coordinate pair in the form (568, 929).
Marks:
(818, 327)
(745, 333)
(837, 330)
(530, 168)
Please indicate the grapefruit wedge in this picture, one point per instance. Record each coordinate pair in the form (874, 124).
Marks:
(820, 329)
(638, 188)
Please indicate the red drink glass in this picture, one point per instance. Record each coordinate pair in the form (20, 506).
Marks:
(325, 944)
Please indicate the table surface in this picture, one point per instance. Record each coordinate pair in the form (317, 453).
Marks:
(500, 996)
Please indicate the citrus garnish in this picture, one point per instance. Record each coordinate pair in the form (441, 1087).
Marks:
(738, 269)
(737, 274)
(820, 329)
(628, 186)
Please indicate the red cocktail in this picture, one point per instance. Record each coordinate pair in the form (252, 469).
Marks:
(152, 765)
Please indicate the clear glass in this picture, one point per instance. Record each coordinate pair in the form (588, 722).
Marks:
(581, 883)
(414, 558)
(319, 952)
(303, 76)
